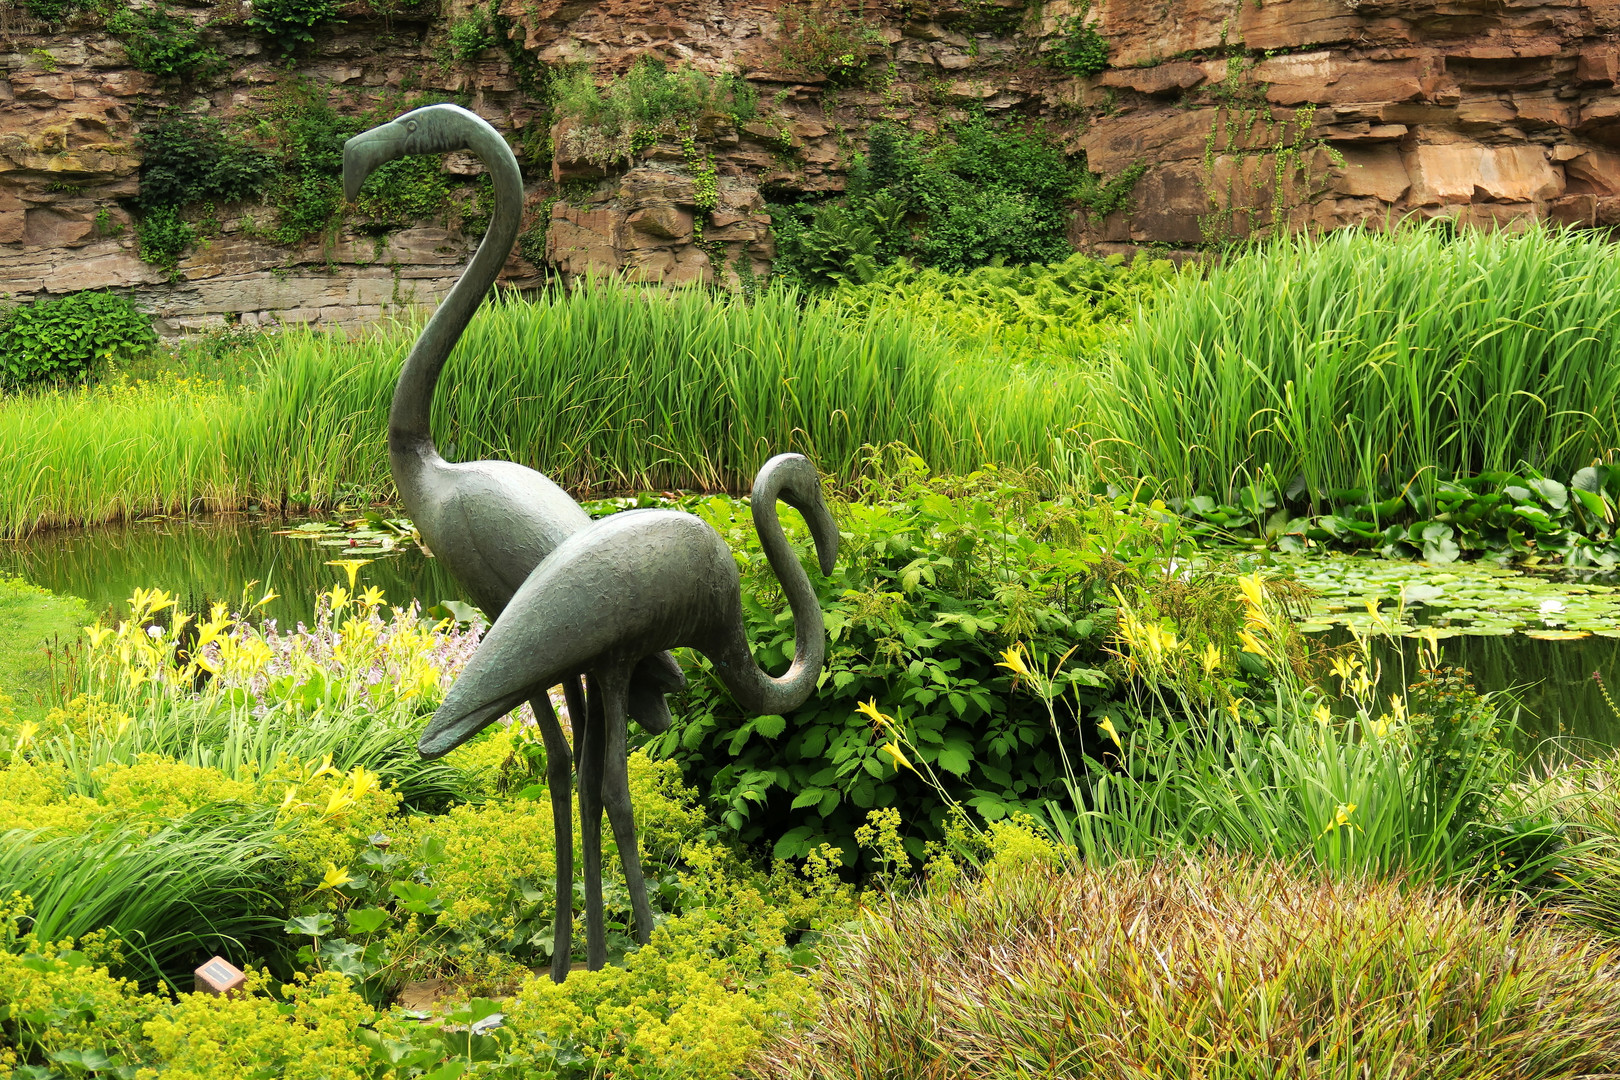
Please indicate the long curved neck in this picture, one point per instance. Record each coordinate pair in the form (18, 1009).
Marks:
(410, 438)
(748, 683)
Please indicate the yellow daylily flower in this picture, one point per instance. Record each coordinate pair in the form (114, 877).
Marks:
(287, 800)
(1252, 644)
(97, 634)
(267, 597)
(893, 750)
(363, 782)
(26, 733)
(1013, 660)
(325, 769)
(337, 804)
(372, 597)
(1107, 727)
(870, 709)
(1254, 592)
(335, 876)
(1321, 714)
(1212, 658)
(350, 567)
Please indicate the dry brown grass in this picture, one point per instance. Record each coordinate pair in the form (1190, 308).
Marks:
(1205, 968)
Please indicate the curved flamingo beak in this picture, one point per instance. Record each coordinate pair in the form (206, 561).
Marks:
(364, 153)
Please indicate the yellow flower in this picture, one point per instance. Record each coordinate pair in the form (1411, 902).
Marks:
(1341, 818)
(1107, 727)
(98, 634)
(337, 804)
(372, 597)
(893, 750)
(339, 597)
(350, 567)
(1321, 714)
(287, 800)
(1212, 658)
(335, 876)
(1252, 644)
(364, 782)
(870, 709)
(1254, 593)
(26, 733)
(267, 597)
(1013, 660)
(325, 769)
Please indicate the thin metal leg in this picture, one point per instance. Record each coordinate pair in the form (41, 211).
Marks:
(616, 798)
(589, 741)
(560, 781)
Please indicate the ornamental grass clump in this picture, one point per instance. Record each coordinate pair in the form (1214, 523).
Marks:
(1214, 967)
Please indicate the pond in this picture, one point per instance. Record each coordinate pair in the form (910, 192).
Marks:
(1530, 634)
(211, 559)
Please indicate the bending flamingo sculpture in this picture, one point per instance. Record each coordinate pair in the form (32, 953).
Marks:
(630, 585)
(488, 522)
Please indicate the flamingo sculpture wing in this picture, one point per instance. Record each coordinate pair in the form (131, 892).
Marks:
(488, 522)
(629, 586)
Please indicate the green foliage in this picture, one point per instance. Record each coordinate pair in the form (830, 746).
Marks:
(188, 158)
(933, 585)
(718, 385)
(1065, 310)
(68, 338)
(980, 193)
(1360, 360)
(404, 191)
(472, 34)
(162, 236)
(1103, 197)
(32, 620)
(1496, 515)
(647, 98)
(162, 43)
(202, 884)
(1080, 49)
(828, 37)
(56, 11)
(291, 23)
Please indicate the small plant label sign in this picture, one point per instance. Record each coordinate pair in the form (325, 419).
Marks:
(219, 977)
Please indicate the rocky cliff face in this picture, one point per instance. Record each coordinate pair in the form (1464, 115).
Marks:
(1230, 116)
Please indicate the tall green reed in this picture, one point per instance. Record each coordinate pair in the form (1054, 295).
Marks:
(1361, 359)
(605, 388)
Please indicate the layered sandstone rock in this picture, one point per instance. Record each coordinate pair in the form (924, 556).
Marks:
(1492, 113)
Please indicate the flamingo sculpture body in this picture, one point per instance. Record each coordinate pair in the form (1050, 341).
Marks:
(490, 523)
(631, 585)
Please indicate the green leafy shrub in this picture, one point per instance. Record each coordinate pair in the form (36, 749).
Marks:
(643, 101)
(291, 23)
(1216, 967)
(162, 236)
(67, 338)
(932, 587)
(1063, 310)
(403, 191)
(472, 34)
(979, 192)
(827, 37)
(162, 43)
(1080, 49)
(189, 158)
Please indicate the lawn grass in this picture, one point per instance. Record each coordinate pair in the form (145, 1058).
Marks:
(32, 619)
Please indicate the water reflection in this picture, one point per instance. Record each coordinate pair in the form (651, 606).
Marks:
(210, 559)
(1550, 680)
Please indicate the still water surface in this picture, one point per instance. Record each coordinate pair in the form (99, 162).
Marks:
(211, 559)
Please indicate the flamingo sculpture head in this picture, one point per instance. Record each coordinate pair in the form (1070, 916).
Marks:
(432, 129)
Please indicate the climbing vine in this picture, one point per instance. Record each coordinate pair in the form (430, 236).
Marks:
(1258, 170)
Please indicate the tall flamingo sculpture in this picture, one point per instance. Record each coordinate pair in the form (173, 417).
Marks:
(628, 586)
(490, 523)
